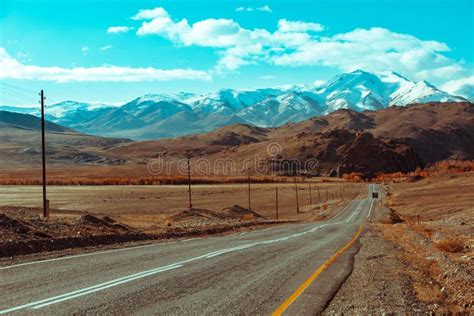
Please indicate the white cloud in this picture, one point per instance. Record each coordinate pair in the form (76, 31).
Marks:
(119, 29)
(463, 87)
(238, 46)
(298, 26)
(319, 83)
(375, 49)
(149, 14)
(241, 9)
(11, 68)
(213, 33)
(106, 47)
(208, 33)
(238, 56)
(24, 57)
(265, 8)
(85, 50)
(300, 43)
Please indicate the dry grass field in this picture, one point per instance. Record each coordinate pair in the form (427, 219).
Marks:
(143, 206)
(436, 232)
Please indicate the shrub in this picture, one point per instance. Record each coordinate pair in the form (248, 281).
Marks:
(451, 245)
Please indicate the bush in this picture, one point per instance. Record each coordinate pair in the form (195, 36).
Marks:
(451, 245)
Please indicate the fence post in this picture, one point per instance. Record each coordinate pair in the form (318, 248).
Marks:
(297, 201)
(189, 184)
(310, 195)
(276, 202)
(248, 181)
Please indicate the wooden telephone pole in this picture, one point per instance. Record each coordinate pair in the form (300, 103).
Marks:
(248, 185)
(297, 201)
(276, 202)
(43, 158)
(189, 184)
(310, 196)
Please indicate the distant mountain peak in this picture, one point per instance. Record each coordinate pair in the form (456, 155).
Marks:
(360, 72)
(175, 114)
(396, 74)
(427, 84)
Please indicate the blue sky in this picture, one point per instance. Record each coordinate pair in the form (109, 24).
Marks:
(114, 51)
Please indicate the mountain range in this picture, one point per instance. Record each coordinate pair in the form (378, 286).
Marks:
(344, 141)
(155, 116)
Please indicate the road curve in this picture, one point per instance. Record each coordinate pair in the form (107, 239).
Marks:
(272, 270)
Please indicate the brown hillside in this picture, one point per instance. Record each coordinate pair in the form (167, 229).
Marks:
(388, 140)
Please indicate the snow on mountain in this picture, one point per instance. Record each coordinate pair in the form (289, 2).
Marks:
(229, 101)
(180, 96)
(18, 109)
(360, 90)
(463, 87)
(169, 115)
(61, 109)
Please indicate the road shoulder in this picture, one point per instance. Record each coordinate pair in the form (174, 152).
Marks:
(377, 283)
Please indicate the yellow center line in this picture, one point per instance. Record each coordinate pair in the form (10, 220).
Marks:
(302, 287)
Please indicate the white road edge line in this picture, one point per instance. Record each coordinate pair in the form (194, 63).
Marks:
(88, 290)
(370, 209)
(350, 217)
(191, 239)
(139, 275)
(87, 254)
(113, 250)
(344, 209)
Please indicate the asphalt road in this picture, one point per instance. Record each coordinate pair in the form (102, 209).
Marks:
(253, 272)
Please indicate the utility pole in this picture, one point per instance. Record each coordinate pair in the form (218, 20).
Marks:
(248, 185)
(276, 202)
(297, 202)
(189, 184)
(310, 196)
(43, 158)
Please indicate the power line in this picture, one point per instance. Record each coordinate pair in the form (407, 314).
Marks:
(23, 90)
(22, 98)
(18, 91)
(19, 98)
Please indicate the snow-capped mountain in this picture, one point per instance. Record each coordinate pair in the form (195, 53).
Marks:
(463, 87)
(169, 115)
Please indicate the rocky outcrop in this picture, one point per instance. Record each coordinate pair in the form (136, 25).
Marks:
(369, 155)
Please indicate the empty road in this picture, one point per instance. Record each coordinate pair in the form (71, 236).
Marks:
(292, 269)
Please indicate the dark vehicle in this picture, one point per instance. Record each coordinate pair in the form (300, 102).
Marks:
(375, 195)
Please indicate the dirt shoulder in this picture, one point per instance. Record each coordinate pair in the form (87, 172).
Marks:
(437, 236)
(378, 283)
(416, 255)
(24, 232)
